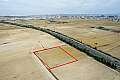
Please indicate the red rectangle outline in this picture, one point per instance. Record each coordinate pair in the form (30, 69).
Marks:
(47, 66)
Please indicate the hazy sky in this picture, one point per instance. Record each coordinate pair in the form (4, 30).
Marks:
(37, 7)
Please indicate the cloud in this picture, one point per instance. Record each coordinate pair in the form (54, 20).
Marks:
(37, 7)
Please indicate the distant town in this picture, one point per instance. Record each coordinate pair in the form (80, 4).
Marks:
(115, 18)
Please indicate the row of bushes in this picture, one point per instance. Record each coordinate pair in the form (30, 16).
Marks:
(98, 55)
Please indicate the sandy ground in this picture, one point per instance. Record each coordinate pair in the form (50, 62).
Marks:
(81, 30)
(17, 62)
(106, 41)
(84, 69)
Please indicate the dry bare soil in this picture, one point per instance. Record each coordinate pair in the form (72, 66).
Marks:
(17, 61)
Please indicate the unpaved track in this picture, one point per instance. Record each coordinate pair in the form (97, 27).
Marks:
(17, 63)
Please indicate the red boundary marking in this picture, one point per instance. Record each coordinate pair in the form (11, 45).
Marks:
(47, 48)
(67, 53)
(47, 66)
(62, 64)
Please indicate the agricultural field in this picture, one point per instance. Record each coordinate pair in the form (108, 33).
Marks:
(87, 32)
(18, 45)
